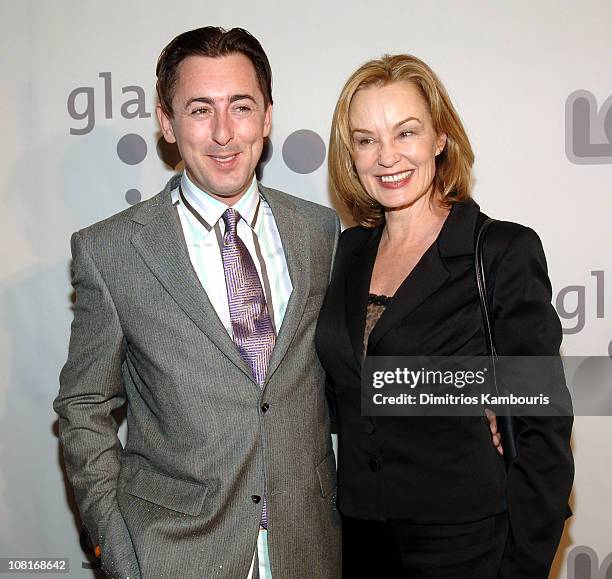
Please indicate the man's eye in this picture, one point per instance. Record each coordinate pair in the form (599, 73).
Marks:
(200, 111)
(242, 109)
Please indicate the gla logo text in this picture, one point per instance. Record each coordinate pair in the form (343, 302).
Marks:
(583, 563)
(303, 151)
(588, 130)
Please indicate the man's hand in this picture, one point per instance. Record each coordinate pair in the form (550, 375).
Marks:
(497, 441)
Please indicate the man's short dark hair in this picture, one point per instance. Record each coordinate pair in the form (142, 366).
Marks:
(214, 42)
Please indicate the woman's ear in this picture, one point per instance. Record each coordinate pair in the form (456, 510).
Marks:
(440, 143)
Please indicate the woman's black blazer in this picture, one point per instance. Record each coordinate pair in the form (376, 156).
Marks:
(446, 470)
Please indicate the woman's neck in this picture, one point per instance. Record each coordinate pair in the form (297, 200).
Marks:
(415, 224)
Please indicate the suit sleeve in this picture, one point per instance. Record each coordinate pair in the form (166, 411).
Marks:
(540, 479)
(91, 388)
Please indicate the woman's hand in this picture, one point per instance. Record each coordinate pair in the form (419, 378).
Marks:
(497, 441)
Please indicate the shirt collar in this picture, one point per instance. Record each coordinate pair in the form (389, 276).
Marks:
(212, 209)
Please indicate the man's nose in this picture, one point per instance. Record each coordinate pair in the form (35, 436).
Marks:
(222, 129)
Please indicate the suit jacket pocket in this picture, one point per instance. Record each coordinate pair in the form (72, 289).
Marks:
(168, 492)
(326, 471)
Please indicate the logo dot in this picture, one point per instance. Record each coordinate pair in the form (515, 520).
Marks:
(266, 155)
(168, 152)
(591, 387)
(133, 196)
(132, 149)
(304, 151)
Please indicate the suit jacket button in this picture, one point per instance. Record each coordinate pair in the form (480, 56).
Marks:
(369, 426)
(374, 465)
(256, 498)
(264, 407)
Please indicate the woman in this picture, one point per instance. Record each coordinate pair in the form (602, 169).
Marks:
(430, 497)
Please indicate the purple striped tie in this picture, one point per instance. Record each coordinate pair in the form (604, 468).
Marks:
(251, 324)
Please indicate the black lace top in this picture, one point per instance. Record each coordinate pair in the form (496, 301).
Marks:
(375, 309)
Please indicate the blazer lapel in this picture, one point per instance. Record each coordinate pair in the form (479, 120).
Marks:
(456, 238)
(357, 289)
(426, 278)
(162, 246)
(290, 224)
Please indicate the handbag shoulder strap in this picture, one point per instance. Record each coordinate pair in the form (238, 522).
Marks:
(507, 425)
(482, 285)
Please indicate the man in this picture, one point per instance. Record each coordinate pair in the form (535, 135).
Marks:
(197, 308)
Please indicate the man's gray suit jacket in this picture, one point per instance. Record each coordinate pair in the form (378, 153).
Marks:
(204, 441)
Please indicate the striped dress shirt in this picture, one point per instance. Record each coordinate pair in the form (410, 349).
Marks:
(203, 228)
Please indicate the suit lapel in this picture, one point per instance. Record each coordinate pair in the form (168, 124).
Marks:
(290, 224)
(427, 277)
(456, 238)
(357, 288)
(161, 245)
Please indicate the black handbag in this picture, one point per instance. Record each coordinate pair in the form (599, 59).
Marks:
(506, 425)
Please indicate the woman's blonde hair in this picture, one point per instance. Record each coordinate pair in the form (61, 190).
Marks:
(453, 178)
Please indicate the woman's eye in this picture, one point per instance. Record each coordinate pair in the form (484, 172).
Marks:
(366, 141)
(405, 134)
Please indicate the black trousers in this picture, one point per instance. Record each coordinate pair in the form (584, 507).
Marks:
(395, 549)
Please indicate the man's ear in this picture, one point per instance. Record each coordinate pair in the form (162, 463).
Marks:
(166, 124)
(267, 121)
(440, 143)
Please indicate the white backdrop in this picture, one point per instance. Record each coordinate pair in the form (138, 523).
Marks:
(530, 79)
